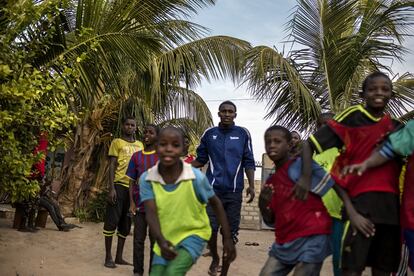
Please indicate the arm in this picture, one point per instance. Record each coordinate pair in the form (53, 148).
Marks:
(196, 164)
(229, 253)
(133, 175)
(202, 153)
(403, 140)
(376, 159)
(358, 222)
(264, 200)
(111, 188)
(249, 166)
(167, 250)
(132, 207)
(250, 190)
(302, 188)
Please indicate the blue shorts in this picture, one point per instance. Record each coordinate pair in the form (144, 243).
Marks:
(232, 202)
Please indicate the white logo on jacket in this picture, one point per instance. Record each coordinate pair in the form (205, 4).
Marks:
(234, 138)
(214, 137)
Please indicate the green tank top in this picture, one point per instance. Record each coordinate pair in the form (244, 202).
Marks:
(180, 213)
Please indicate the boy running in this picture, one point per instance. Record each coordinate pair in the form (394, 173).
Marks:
(371, 200)
(400, 143)
(302, 228)
(175, 197)
(116, 217)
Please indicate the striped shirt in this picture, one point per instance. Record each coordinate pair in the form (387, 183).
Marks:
(140, 162)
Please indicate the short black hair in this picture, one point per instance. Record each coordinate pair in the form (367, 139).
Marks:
(327, 115)
(175, 129)
(228, 102)
(286, 132)
(297, 132)
(372, 76)
(128, 118)
(157, 128)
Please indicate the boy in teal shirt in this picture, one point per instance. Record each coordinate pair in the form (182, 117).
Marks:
(175, 197)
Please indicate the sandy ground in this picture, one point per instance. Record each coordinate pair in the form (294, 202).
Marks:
(81, 252)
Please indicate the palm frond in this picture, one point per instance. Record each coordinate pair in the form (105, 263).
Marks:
(336, 44)
(272, 77)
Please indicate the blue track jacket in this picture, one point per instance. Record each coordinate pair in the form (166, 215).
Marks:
(228, 151)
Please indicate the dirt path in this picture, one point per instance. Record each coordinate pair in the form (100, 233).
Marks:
(81, 252)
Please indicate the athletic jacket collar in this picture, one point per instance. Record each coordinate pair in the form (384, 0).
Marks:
(226, 128)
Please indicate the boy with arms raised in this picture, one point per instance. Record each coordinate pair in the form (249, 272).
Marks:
(116, 217)
(175, 197)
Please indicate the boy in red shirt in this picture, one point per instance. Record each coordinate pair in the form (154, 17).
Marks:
(302, 227)
(371, 200)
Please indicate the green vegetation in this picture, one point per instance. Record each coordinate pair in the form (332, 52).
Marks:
(335, 44)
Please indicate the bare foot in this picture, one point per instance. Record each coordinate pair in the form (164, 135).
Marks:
(109, 264)
(214, 267)
(122, 262)
(207, 254)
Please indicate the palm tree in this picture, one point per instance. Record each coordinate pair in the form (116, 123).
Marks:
(133, 56)
(334, 45)
(141, 57)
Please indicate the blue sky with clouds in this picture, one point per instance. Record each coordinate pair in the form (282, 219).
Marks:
(261, 22)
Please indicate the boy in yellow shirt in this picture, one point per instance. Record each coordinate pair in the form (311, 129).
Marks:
(120, 153)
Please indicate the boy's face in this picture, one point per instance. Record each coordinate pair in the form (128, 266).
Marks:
(186, 145)
(276, 145)
(169, 147)
(295, 139)
(227, 113)
(150, 135)
(377, 93)
(129, 127)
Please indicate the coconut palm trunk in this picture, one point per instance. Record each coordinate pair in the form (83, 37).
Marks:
(76, 178)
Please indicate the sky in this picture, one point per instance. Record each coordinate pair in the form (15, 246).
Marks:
(260, 22)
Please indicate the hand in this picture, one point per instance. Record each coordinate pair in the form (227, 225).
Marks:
(229, 250)
(266, 194)
(112, 196)
(167, 250)
(250, 191)
(362, 224)
(359, 169)
(132, 208)
(301, 189)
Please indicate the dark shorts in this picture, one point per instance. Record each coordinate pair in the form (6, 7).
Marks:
(409, 242)
(381, 251)
(117, 217)
(232, 203)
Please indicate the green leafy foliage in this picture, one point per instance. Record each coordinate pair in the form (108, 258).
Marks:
(32, 100)
(95, 210)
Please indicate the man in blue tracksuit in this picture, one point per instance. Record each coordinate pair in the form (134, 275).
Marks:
(228, 150)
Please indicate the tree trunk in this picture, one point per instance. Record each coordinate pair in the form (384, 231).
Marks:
(76, 177)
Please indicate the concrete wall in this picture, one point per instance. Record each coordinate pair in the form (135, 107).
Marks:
(250, 213)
